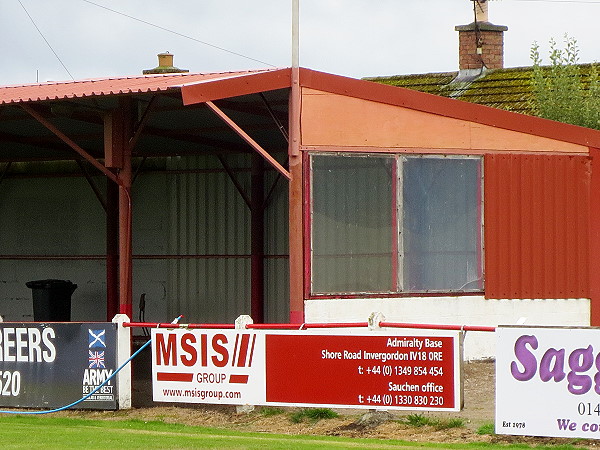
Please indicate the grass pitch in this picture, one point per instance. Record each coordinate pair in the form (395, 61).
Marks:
(65, 433)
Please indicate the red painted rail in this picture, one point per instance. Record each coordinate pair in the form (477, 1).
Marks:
(179, 325)
(436, 327)
(303, 326)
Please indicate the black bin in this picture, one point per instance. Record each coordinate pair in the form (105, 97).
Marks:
(51, 300)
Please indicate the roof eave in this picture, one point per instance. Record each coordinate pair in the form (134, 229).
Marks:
(226, 87)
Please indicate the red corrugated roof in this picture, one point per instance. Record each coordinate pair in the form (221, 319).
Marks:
(107, 86)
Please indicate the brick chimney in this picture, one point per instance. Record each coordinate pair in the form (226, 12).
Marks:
(165, 65)
(481, 43)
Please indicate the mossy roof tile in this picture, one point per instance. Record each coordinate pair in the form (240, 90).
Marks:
(508, 89)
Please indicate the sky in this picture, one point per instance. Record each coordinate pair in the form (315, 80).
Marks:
(354, 38)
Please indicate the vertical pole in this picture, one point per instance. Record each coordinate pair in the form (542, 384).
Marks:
(112, 249)
(295, 33)
(296, 224)
(257, 234)
(296, 241)
(125, 247)
(125, 211)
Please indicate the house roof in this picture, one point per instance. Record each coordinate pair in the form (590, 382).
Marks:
(509, 89)
(108, 86)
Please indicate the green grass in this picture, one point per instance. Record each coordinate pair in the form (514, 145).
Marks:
(487, 428)
(419, 420)
(313, 415)
(26, 432)
(269, 411)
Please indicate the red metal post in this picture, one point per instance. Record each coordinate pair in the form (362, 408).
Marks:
(257, 234)
(125, 247)
(296, 228)
(112, 250)
(124, 113)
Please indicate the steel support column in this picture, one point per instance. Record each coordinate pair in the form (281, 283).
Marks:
(125, 246)
(125, 211)
(118, 129)
(112, 250)
(257, 237)
(296, 223)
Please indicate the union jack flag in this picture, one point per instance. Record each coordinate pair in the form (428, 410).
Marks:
(96, 359)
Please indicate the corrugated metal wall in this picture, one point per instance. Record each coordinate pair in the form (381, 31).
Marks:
(210, 222)
(536, 226)
(208, 218)
(277, 272)
(50, 216)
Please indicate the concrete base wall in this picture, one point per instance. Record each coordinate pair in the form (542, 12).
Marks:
(468, 310)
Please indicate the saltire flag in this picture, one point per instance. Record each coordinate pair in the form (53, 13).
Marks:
(97, 338)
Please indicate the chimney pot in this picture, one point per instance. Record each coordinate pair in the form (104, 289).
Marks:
(165, 65)
(481, 11)
(165, 59)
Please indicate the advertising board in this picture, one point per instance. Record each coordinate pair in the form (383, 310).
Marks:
(49, 365)
(548, 382)
(387, 369)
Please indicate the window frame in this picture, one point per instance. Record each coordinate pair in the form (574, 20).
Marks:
(397, 244)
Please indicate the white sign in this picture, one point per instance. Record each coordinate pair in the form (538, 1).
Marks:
(548, 382)
(208, 366)
(391, 369)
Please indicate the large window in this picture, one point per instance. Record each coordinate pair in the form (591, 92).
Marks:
(395, 224)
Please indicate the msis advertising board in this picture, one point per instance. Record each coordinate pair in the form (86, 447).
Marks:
(548, 382)
(193, 366)
(49, 365)
(388, 369)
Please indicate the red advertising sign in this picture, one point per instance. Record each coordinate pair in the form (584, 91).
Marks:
(384, 369)
(375, 371)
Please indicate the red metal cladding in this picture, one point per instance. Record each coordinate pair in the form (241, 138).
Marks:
(230, 86)
(107, 86)
(537, 226)
(595, 238)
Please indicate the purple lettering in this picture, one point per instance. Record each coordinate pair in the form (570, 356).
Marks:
(550, 370)
(580, 360)
(525, 357)
(566, 424)
(597, 376)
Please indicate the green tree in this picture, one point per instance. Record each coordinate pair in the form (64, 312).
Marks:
(565, 91)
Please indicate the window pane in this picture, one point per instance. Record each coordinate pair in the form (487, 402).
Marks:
(352, 223)
(441, 224)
